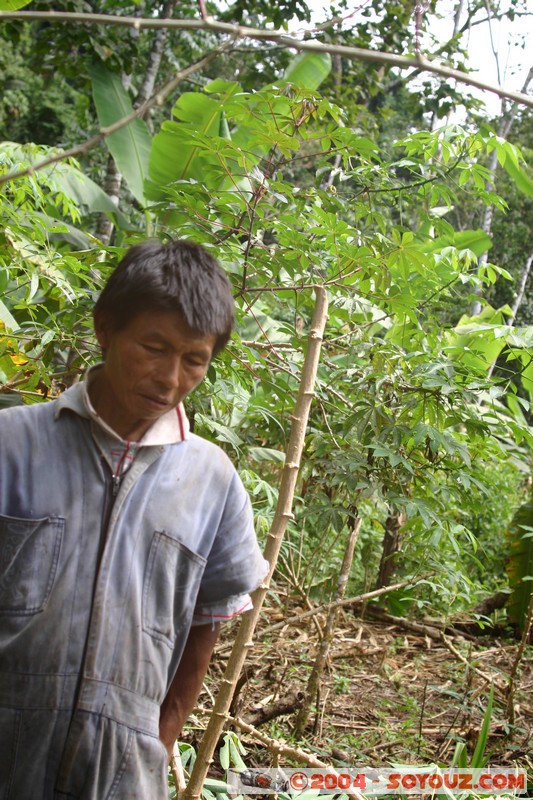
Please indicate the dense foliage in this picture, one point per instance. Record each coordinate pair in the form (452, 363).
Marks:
(297, 171)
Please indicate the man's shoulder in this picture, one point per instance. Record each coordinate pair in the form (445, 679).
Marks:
(37, 419)
(209, 450)
(210, 469)
(25, 427)
(209, 458)
(27, 414)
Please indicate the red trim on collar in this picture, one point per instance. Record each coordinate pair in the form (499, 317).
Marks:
(180, 422)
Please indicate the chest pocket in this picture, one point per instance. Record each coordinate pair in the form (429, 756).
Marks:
(171, 583)
(29, 555)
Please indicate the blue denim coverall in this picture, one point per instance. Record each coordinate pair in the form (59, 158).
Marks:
(97, 595)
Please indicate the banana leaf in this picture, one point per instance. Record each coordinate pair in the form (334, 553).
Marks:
(129, 146)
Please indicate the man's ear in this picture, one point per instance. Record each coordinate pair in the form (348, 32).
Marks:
(102, 329)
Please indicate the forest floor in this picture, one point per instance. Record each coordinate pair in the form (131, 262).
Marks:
(387, 695)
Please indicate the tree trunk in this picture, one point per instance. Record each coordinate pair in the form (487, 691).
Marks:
(506, 123)
(155, 57)
(391, 546)
(112, 186)
(113, 181)
(517, 303)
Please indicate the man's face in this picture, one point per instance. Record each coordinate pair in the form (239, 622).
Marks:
(150, 366)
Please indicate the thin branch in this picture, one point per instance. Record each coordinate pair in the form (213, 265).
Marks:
(340, 20)
(329, 628)
(496, 679)
(457, 17)
(361, 598)
(155, 56)
(113, 180)
(458, 32)
(203, 9)
(506, 123)
(491, 38)
(176, 768)
(281, 37)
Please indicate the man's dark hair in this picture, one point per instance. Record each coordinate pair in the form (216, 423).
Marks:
(179, 276)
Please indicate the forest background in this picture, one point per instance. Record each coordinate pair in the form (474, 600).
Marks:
(324, 164)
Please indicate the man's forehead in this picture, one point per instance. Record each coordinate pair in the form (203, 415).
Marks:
(169, 326)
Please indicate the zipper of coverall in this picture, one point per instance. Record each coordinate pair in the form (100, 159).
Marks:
(112, 485)
(109, 501)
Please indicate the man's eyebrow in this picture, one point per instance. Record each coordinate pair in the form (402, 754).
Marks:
(155, 335)
(201, 350)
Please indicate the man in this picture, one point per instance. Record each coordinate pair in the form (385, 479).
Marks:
(124, 541)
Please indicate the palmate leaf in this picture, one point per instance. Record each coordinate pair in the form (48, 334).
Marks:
(64, 178)
(181, 149)
(129, 146)
(520, 563)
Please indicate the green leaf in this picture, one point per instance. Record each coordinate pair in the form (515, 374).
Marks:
(526, 373)
(235, 755)
(477, 241)
(459, 757)
(65, 178)
(13, 5)
(86, 193)
(521, 178)
(222, 432)
(7, 318)
(476, 342)
(219, 86)
(215, 785)
(267, 454)
(308, 70)
(224, 754)
(130, 146)
(66, 232)
(479, 759)
(174, 155)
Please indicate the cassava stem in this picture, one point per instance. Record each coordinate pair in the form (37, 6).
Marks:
(243, 640)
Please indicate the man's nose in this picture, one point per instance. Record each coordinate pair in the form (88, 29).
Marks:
(169, 374)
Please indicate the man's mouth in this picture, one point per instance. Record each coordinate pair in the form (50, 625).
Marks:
(156, 402)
